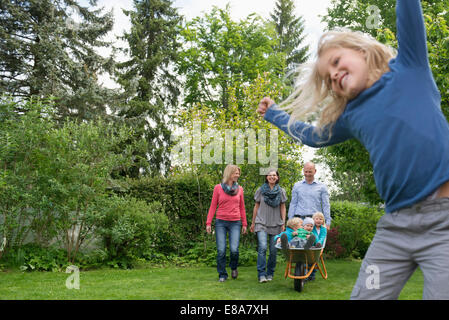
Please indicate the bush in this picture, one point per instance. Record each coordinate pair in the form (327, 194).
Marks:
(334, 249)
(186, 199)
(54, 176)
(353, 228)
(32, 257)
(129, 228)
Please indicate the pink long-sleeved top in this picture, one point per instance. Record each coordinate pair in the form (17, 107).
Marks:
(230, 208)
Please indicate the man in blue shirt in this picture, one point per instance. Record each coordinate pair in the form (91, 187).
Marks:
(310, 196)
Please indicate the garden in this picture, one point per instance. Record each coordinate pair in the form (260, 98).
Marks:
(104, 192)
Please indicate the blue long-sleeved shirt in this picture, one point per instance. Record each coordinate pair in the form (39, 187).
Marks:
(398, 120)
(308, 199)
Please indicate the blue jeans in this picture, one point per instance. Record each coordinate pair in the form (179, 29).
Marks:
(264, 268)
(222, 228)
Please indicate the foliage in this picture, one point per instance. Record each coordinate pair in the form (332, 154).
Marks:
(334, 249)
(129, 228)
(32, 257)
(54, 180)
(150, 88)
(353, 228)
(44, 52)
(354, 15)
(221, 54)
(234, 126)
(21, 139)
(185, 200)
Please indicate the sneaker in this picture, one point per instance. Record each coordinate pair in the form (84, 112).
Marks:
(222, 279)
(310, 242)
(234, 274)
(269, 278)
(262, 279)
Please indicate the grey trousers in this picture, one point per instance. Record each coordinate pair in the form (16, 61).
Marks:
(404, 240)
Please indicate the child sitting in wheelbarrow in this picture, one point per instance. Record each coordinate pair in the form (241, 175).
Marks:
(295, 235)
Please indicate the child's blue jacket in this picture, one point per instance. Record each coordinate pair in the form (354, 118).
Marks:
(288, 231)
(322, 237)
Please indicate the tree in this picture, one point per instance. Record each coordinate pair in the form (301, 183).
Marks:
(290, 31)
(44, 52)
(349, 162)
(150, 87)
(354, 15)
(221, 54)
(55, 178)
(237, 135)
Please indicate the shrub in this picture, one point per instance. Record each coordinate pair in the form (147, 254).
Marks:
(54, 176)
(354, 227)
(129, 228)
(32, 257)
(186, 199)
(334, 249)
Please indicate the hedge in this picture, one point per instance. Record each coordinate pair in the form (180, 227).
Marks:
(352, 229)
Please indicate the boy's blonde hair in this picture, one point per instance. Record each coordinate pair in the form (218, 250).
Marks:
(228, 171)
(319, 214)
(314, 96)
(293, 222)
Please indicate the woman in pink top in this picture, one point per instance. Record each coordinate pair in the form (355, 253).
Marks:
(231, 217)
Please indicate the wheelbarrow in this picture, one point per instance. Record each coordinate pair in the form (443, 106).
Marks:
(303, 262)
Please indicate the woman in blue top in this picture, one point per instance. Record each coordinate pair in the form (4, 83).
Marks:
(391, 104)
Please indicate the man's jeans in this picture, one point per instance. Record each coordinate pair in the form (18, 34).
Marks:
(222, 228)
(264, 268)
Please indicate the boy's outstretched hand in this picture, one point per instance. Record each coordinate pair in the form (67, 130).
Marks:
(264, 104)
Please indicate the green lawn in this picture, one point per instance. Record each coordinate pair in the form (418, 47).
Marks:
(187, 284)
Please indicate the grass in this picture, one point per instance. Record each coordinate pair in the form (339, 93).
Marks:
(189, 283)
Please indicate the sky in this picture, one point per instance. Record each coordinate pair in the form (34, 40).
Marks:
(310, 10)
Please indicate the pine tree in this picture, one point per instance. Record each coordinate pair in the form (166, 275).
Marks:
(45, 52)
(150, 87)
(290, 31)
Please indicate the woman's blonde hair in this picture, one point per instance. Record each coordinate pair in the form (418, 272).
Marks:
(294, 222)
(228, 171)
(313, 96)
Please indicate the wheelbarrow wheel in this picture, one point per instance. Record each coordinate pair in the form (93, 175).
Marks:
(299, 271)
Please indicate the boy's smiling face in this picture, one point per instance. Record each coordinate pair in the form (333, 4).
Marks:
(345, 71)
